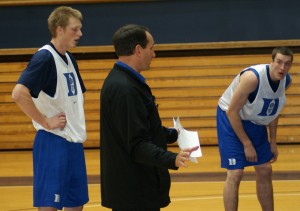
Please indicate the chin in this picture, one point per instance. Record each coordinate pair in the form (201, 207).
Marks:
(74, 44)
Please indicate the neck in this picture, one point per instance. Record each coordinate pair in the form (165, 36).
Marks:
(272, 76)
(59, 46)
(130, 62)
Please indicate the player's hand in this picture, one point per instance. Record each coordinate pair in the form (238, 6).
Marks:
(184, 156)
(250, 153)
(274, 150)
(57, 121)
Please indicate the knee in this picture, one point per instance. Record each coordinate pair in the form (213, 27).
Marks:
(74, 208)
(235, 176)
(264, 171)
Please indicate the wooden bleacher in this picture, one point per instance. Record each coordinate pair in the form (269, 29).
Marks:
(188, 87)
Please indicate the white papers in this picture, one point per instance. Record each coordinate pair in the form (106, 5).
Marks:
(188, 139)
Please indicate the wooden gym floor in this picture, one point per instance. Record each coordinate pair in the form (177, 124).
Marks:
(198, 187)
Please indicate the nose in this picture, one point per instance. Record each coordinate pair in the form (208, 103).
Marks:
(285, 65)
(80, 33)
(282, 66)
(154, 54)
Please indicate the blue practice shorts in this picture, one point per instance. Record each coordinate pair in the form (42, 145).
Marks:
(60, 178)
(232, 150)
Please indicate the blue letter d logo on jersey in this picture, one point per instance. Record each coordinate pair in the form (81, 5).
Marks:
(270, 107)
(71, 84)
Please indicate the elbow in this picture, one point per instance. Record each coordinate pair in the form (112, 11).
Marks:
(18, 92)
(228, 112)
(231, 114)
(15, 95)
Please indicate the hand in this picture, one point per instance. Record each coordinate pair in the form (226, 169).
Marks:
(184, 156)
(250, 153)
(274, 150)
(57, 121)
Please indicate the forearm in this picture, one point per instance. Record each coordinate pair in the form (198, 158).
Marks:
(22, 98)
(272, 134)
(273, 130)
(147, 153)
(237, 126)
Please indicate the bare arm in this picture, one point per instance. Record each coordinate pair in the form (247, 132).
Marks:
(273, 144)
(22, 97)
(273, 132)
(248, 83)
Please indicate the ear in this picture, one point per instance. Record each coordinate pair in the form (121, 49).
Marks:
(59, 30)
(138, 49)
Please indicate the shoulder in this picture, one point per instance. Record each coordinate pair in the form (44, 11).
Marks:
(41, 60)
(253, 73)
(119, 81)
(288, 80)
(42, 56)
(248, 82)
(249, 76)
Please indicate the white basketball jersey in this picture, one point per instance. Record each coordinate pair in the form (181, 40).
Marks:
(68, 98)
(267, 103)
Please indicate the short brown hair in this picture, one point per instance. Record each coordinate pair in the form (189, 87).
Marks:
(282, 50)
(127, 37)
(60, 17)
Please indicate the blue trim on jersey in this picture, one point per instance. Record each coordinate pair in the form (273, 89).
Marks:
(273, 85)
(131, 70)
(288, 80)
(252, 95)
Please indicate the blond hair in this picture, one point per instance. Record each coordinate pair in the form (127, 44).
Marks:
(60, 17)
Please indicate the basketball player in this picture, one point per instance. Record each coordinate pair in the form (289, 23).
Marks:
(252, 101)
(50, 91)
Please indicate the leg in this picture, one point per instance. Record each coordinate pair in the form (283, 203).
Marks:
(142, 209)
(47, 209)
(264, 187)
(73, 208)
(46, 175)
(77, 194)
(231, 189)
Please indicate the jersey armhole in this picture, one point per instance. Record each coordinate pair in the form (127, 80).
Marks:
(288, 81)
(253, 94)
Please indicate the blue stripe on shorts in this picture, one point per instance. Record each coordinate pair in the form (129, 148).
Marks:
(60, 178)
(232, 150)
